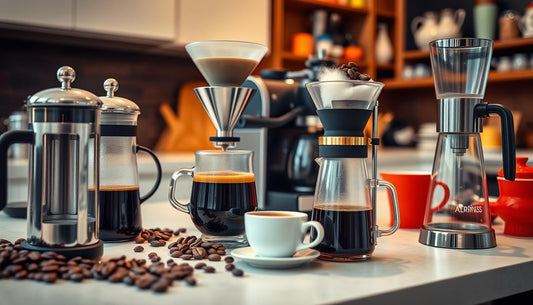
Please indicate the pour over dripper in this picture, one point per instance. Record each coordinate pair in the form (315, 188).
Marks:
(225, 65)
(225, 62)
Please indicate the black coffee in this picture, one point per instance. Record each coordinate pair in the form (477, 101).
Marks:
(219, 201)
(120, 212)
(347, 231)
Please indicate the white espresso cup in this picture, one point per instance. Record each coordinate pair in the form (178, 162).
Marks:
(279, 233)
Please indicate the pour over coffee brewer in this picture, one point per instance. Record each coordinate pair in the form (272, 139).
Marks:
(120, 201)
(226, 178)
(62, 216)
(460, 70)
(345, 196)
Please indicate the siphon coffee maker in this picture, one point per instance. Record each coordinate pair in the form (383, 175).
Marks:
(62, 216)
(460, 70)
(223, 180)
(120, 201)
(345, 196)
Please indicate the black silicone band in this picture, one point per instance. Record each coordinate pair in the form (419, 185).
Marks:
(118, 130)
(343, 151)
(63, 114)
(224, 139)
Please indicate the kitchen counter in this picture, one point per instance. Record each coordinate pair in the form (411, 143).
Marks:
(401, 271)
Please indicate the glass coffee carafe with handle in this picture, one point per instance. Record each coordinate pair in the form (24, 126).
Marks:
(120, 199)
(345, 195)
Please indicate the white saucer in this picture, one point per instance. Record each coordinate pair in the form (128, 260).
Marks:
(299, 258)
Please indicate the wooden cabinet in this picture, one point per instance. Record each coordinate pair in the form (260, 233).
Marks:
(227, 20)
(295, 16)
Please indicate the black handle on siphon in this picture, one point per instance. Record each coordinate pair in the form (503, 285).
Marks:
(508, 138)
(7, 139)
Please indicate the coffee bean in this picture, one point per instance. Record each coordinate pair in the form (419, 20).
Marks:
(176, 254)
(209, 269)
(221, 252)
(75, 270)
(206, 245)
(151, 254)
(229, 266)
(143, 283)
(139, 240)
(172, 245)
(214, 257)
(128, 280)
(108, 269)
(199, 252)
(117, 277)
(22, 274)
(154, 243)
(138, 249)
(155, 259)
(229, 259)
(199, 266)
(212, 251)
(19, 241)
(34, 256)
(50, 268)
(191, 281)
(87, 274)
(50, 277)
(76, 277)
(237, 272)
(186, 256)
(160, 286)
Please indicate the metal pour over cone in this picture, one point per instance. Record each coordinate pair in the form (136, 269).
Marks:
(224, 105)
(226, 62)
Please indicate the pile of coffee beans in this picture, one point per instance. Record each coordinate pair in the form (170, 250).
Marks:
(352, 71)
(49, 267)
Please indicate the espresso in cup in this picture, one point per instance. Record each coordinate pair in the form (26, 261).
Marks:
(280, 233)
(219, 201)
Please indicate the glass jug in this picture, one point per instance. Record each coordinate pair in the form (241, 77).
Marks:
(223, 189)
(120, 211)
(343, 205)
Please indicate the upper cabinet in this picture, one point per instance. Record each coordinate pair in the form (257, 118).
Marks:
(226, 20)
(111, 19)
(135, 18)
(44, 13)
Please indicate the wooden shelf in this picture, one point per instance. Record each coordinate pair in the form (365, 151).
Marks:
(385, 66)
(316, 4)
(386, 13)
(494, 77)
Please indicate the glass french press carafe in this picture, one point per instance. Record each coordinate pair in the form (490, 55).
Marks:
(62, 215)
(120, 210)
(460, 70)
(345, 196)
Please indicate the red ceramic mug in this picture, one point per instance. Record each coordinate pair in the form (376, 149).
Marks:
(413, 190)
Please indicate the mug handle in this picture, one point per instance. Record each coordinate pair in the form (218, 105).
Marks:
(7, 139)
(460, 15)
(415, 24)
(444, 199)
(173, 200)
(320, 234)
(395, 208)
(159, 171)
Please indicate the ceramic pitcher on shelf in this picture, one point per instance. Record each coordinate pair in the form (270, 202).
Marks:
(384, 48)
(450, 23)
(527, 22)
(425, 29)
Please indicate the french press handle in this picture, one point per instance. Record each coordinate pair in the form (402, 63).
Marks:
(7, 139)
(508, 138)
(159, 172)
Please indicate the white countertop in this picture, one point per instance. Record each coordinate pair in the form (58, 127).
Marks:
(401, 271)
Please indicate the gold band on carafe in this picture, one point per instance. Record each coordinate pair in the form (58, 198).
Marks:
(348, 141)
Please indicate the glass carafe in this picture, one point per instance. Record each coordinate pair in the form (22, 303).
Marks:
(223, 189)
(343, 205)
(120, 200)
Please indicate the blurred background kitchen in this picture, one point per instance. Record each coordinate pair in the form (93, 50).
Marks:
(141, 44)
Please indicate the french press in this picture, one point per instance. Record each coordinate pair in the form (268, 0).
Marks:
(120, 211)
(460, 70)
(62, 215)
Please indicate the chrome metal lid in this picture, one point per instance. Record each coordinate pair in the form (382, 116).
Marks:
(114, 103)
(65, 96)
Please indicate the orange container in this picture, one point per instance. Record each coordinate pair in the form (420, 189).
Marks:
(302, 44)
